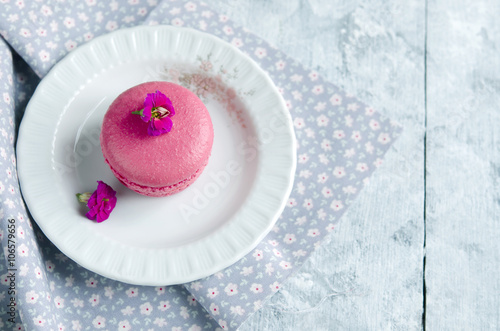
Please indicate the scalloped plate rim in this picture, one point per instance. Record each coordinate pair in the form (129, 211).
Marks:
(34, 206)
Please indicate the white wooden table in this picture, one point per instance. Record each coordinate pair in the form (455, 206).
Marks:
(420, 247)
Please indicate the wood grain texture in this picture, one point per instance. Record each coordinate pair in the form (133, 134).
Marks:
(463, 166)
(369, 273)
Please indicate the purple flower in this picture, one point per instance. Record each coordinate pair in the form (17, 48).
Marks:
(157, 111)
(158, 126)
(101, 203)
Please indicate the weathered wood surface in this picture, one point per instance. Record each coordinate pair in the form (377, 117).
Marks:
(374, 259)
(434, 66)
(463, 166)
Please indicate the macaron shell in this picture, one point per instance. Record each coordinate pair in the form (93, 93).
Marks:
(157, 161)
(158, 191)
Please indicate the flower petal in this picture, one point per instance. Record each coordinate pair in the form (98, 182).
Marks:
(167, 124)
(149, 104)
(109, 205)
(108, 190)
(92, 200)
(104, 190)
(152, 131)
(168, 105)
(101, 187)
(159, 126)
(149, 101)
(101, 217)
(146, 114)
(91, 214)
(160, 99)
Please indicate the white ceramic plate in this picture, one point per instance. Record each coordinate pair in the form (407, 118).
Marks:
(157, 241)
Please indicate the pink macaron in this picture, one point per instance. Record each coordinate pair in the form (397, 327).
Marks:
(157, 165)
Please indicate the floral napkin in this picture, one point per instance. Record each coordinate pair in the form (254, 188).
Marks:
(341, 142)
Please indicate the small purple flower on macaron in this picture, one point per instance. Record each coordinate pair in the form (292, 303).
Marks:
(101, 203)
(157, 111)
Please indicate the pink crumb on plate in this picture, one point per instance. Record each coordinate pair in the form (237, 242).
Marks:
(157, 165)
